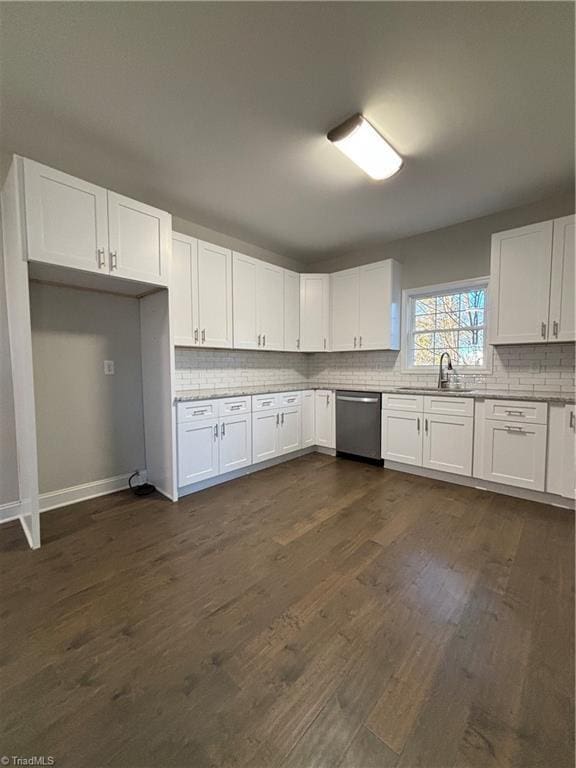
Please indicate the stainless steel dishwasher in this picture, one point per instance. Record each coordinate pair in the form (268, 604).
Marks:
(358, 416)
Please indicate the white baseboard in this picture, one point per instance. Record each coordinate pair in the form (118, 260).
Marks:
(10, 511)
(85, 491)
(483, 485)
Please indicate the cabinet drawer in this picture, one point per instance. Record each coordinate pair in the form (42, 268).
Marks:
(235, 405)
(517, 410)
(449, 406)
(290, 398)
(265, 402)
(197, 410)
(393, 402)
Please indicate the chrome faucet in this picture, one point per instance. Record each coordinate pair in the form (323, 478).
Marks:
(443, 379)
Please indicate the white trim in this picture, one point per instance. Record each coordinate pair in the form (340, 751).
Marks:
(10, 511)
(483, 485)
(85, 491)
(453, 287)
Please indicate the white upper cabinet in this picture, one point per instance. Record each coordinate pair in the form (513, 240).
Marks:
(214, 295)
(314, 313)
(562, 306)
(291, 311)
(72, 223)
(139, 240)
(345, 308)
(270, 306)
(245, 279)
(258, 304)
(66, 219)
(524, 309)
(184, 290)
(366, 307)
(379, 310)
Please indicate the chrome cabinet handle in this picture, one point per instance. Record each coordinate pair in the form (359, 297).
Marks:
(235, 407)
(282, 419)
(354, 342)
(113, 260)
(297, 343)
(510, 428)
(418, 420)
(572, 420)
(196, 335)
(543, 330)
(277, 419)
(199, 413)
(259, 339)
(555, 328)
(360, 341)
(327, 400)
(515, 413)
(101, 258)
(223, 430)
(215, 431)
(263, 339)
(426, 425)
(324, 342)
(203, 335)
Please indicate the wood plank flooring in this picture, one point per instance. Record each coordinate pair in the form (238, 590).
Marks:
(318, 614)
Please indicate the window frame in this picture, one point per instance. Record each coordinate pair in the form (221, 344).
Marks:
(409, 297)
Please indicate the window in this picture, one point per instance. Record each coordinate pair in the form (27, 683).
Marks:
(446, 318)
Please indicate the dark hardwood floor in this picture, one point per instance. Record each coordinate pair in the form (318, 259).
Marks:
(319, 614)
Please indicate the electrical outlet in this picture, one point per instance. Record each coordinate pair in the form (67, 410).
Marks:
(109, 367)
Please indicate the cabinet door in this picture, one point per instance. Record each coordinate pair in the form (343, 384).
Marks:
(569, 483)
(214, 295)
(197, 451)
(290, 430)
(139, 240)
(265, 428)
(66, 219)
(308, 436)
(344, 294)
(520, 284)
(184, 291)
(270, 296)
(314, 313)
(515, 454)
(291, 311)
(448, 443)
(244, 281)
(324, 418)
(402, 437)
(562, 306)
(235, 442)
(379, 306)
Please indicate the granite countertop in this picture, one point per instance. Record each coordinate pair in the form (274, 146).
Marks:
(477, 394)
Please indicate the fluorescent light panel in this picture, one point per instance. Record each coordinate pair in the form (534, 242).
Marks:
(362, 143)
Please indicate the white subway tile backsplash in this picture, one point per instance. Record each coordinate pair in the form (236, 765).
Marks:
(525, 368)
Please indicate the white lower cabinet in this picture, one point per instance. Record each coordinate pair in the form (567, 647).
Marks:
(439, 436)
(515, 454)
(447, 444)
(560, 467)
(290, 430)
(308, 434)
(265, 439)
(235, 442)
(325, 415)
(198, 450)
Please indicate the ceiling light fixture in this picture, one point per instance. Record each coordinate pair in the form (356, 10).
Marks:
(362, 143)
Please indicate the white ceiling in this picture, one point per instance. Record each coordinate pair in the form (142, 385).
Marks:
(218, 111)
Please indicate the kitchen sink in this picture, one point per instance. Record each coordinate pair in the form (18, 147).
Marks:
(434, 389)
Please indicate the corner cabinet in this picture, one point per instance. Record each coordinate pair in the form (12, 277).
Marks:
(201, 293)
(366, 307)
(315, 313)
(532, 283)
(72, 223)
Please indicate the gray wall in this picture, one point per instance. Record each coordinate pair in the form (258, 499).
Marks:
(452, 253)
(8, 454)
(90, 426)
(249, 249)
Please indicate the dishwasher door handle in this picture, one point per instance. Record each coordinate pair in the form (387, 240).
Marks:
(357, 399)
